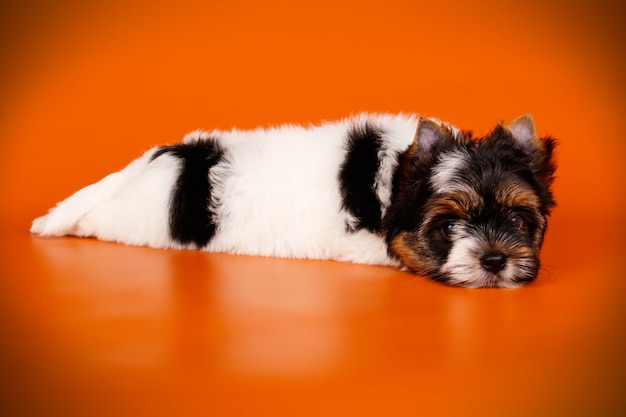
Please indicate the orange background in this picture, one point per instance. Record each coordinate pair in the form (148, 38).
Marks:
(93, 328)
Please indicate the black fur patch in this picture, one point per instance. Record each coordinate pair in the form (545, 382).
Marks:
(357, 176)
(191, 219)
(409, 194)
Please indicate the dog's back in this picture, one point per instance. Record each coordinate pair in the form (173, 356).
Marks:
(290, 191)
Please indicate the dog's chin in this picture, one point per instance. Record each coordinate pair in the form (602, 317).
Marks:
(476, 277)
(489, 280)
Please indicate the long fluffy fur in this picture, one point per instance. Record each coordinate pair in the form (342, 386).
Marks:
(275, 192)
(372, 189)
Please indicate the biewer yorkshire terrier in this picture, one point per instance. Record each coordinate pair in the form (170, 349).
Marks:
(405, 191)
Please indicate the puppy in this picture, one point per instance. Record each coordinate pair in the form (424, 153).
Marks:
(394, 190)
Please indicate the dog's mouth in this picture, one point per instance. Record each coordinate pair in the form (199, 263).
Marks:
(491, 271)
(499, 281)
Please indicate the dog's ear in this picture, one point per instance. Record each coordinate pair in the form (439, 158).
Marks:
(428, 134)
(523, 131)
(541, 149)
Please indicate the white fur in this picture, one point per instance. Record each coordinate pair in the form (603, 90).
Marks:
(462, 265)
(277, 194)
(445, 176)
(129, 206)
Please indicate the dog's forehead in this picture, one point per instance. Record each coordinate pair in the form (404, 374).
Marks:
(471, 178)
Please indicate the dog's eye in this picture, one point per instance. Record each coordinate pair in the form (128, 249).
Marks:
(447, 229)
(517, 222)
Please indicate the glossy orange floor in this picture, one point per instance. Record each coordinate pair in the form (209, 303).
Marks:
(96, 329)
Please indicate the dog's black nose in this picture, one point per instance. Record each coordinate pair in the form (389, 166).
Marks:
(493, 262)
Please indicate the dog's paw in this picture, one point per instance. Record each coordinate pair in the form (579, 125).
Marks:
(50, 225)
(43, 226)
(39, 225)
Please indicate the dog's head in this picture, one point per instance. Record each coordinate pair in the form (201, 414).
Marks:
(472, 212)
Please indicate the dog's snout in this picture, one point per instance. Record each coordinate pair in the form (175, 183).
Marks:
(493, 262)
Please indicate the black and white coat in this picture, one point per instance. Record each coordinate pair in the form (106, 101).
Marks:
(317, 192)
